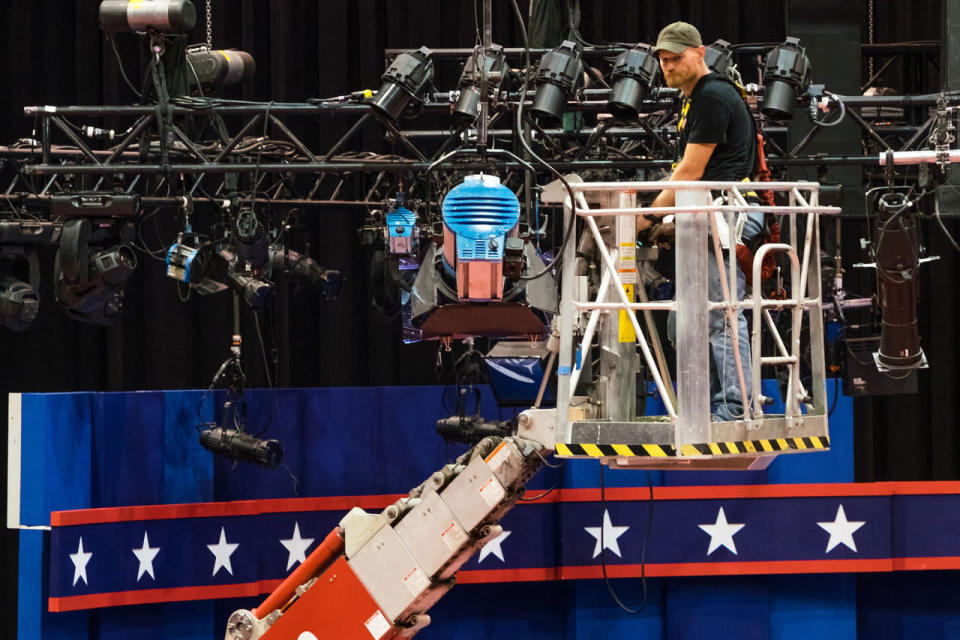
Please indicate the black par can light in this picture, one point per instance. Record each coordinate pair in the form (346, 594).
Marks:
(718, 57)
(405, 80)
(494, 65)
(634, 72)
(557, 77)
(216, 68)
(786, 74)
(165, 16)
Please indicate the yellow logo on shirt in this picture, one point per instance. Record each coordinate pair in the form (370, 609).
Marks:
(683, 115)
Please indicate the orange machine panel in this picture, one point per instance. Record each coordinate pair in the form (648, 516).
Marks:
(336, 606)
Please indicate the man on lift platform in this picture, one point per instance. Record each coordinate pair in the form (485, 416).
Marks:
(717, 143)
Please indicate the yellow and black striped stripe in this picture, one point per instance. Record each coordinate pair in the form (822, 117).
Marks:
(739, 447)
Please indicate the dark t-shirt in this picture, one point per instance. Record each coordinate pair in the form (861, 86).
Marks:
(715, 113)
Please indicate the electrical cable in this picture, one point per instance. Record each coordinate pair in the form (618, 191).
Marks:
(123, 72)
(643, 553)
(836, 396)
(523, 141)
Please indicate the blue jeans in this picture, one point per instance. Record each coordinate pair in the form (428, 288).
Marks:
(726, 401)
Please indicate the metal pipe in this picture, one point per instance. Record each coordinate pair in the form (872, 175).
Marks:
(918, 157)
(591, 328)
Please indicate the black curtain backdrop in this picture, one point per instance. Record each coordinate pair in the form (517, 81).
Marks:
(54, 53)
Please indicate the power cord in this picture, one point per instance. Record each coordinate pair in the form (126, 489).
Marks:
(643, 553)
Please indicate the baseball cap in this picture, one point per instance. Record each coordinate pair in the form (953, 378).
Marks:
(677, 36)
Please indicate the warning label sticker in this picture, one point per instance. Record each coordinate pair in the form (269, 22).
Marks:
(492, 492)
(498, 457)
(416, 581)
(453, 536)
(377, 625)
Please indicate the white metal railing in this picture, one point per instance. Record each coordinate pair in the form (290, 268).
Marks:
(690, 413)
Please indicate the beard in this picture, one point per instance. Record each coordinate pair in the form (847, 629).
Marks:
(676, 79)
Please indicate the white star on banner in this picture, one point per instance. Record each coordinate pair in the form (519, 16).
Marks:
(145, 555)
(841, 531)
(222, 552)
(80, 560)
(610, 535)
(493, 547)
(296, 547)
(721, 533)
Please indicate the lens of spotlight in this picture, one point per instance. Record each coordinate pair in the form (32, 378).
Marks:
(557, 77)
(114, 265)
(634, 72)
(406, 79)
(786, 73)
(19, 304)
(255, 292)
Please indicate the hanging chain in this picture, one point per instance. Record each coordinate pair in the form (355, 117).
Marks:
(869, 39)
(210, 23)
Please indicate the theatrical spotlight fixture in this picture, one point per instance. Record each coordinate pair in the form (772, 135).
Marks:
(188, 264)
(216, 68)
(95, 294)
(406, 79)
(786, 74)
(559, 74)
(165, 16)
(718, 57)
(303, 268)
(239, 445)
(898, 286)
(19, 304)
(251, 240)
(255, 292)
(634, 72)
(494, 64)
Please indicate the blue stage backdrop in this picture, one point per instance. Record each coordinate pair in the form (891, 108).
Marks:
(115, 450)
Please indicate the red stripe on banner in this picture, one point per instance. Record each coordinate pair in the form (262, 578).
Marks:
(729, 568)
(724, 492)
(146, 596)
(612, 494)
(925, 564)
(539, 574)
(217, 509)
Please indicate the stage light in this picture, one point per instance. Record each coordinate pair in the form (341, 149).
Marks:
(217, 68)
(495, 66)
(718, 57)
(19, 304)
(406, 79)
(559, 74)
(255, 291)
(786, 74)
(95, 295)
(634, 72)
(898, 286)
(472, 429)
(239, 445)
(165, 16)
(304, 269)
(251, 240)
(188, 264)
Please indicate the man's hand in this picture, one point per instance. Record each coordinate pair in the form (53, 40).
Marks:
(663, 234)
